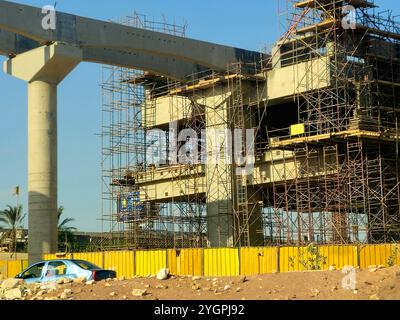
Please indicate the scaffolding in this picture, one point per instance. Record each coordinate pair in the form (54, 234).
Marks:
(324, 156)
(345, 187)
(199, 195)
(131, 214)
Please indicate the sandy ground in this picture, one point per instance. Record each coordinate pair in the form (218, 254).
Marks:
(381, 284)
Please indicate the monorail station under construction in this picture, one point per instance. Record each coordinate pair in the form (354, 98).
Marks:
(210, 146)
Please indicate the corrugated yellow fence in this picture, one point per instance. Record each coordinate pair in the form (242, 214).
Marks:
(15, 267)
(11, 268)
(375, 255)
(229, 261)
(150, 262)
(94, 257)
(289, 258)
(394, 258)
(185, 262)
(339, 256)
(258, 260)
(221, 262)
(3, 268)
(122, 262)
(316, 258)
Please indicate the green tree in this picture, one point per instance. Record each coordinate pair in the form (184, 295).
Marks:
(65, 232)
(12, 218)
(63, 224)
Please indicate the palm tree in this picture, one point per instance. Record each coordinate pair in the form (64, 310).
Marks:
(12, 218)
(62, 225)
(65, 232)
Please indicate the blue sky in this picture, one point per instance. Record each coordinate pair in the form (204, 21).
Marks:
(249, 25)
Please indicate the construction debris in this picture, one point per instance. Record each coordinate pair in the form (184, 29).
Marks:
(139, 292)
(163, 274)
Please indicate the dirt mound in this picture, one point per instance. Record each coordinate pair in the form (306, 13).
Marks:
(372, 284)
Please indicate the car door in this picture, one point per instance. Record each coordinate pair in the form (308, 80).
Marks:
(34, 273)
(55, 270)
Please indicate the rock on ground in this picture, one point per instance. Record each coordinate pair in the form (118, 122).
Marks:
(64, 281)
(139, 292)
(48, 286)
(80, 280)
(14, 294)
(11, 283)
(195, 287)
(163, 274)
(63, 296)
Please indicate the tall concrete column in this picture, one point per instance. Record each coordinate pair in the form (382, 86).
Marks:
(43, 68)
(42, 168)
(221, 192)
(220, 228)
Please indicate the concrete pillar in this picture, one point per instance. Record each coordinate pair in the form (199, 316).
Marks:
(42, 168)
(218, 169)
(43, 68)
(221, 174)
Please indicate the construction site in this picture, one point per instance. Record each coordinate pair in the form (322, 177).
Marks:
(323, 108)
(208, 146)
(226, 173)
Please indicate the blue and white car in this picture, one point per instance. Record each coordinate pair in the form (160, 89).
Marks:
(53, 270)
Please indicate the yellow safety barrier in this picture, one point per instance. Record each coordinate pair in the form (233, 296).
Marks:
(229, 261)
(258, 261)
(317, 257)
(3, 268)
(394, 258)
(375, 255)
(290, 258)
(15, 267)
(185, 262)
(94, 257)
(150, 262)
(122, 262)
(221, 262)
(339, 256)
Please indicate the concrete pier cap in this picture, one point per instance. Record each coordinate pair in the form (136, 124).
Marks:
(43, 68)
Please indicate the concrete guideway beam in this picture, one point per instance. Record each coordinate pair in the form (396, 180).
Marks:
(12, 44)
(164, 66)
(43, 68)
(90, 33)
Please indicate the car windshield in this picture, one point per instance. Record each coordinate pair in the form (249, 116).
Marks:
(33, 272)
(85, 265)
